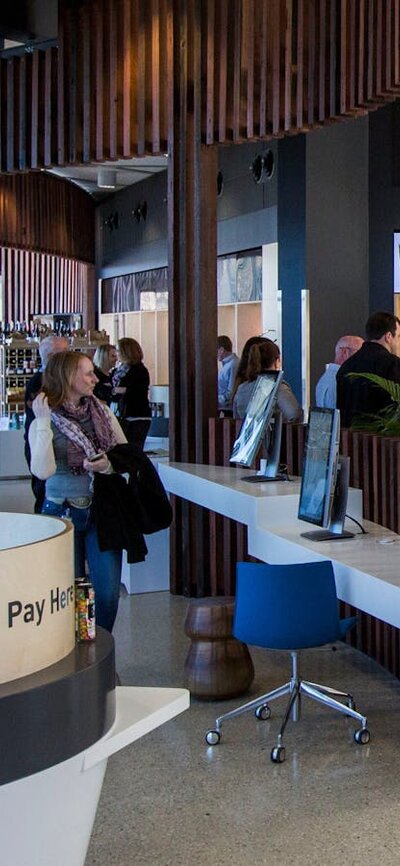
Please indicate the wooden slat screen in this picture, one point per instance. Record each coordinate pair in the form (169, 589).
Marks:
(267, 69)
(40, 212)
(36, 283)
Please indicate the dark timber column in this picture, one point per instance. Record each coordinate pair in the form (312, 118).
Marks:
(192, 205)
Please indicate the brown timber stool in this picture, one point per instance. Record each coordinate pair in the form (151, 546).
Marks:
(217, 665)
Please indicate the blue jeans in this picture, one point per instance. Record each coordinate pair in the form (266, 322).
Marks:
(104, 566)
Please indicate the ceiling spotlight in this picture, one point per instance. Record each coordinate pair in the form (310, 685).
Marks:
(106, 178)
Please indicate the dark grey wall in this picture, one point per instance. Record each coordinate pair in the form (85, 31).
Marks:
(247, 211)
(133, 246)
(246, 216)
(337, 229)
(384, 210)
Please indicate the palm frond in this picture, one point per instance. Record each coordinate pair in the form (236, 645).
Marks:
(386, 422)
(391, 388)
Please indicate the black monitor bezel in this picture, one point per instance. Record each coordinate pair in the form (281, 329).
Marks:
(265, 417)
(331, 463)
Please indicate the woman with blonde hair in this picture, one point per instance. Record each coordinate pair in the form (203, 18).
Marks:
(131, 382)
(69, 439)
(104, 360)
(263, 357)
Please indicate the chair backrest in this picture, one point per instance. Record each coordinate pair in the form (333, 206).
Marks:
(286, 606)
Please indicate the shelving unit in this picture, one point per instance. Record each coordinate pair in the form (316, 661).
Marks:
(19, 360)
(150, 329)
(239, 321)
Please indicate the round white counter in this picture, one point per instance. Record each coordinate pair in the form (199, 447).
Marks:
(37, 602)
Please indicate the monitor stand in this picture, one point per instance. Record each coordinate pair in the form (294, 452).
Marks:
(269, 468)
(335, 531)
(259, 479)
(327, 535)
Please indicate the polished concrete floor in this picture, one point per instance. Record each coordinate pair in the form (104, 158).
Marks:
(171, 800)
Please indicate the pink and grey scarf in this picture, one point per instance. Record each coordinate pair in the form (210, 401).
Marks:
(68, 420)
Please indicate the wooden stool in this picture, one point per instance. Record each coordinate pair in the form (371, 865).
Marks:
(217, 665)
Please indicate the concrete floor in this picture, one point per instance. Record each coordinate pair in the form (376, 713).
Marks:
(172, 800)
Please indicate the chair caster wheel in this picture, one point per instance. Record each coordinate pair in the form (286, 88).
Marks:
(263, 713)
(362, 736)
(278, 754)
(213, 738)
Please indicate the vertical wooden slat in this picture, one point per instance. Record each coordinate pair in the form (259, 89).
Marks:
(10, 101)
(155, 77)
(86, 83)
(311, 65)
(112, 86)
(396, 42)
(60, 110)
(276, 36)
(141, 79)
(263, 70)
(378, 42)
(351, 88)
(126, 79)
(343, 55)
(332, 57)
(300, 65)
(322, 62)
(97, 25)
(22, 114)
(288, 123)
(370, 50)
(235, 9)
(221, 66)
(361, 53)
(248, 66)
(210, 82)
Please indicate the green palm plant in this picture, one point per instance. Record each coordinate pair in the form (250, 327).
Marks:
(387, 421)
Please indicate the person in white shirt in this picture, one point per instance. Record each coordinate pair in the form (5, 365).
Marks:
(325, 390)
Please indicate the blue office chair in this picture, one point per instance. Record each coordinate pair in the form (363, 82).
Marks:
(289, 607)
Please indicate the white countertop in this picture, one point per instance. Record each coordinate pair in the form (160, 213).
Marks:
(367, 571)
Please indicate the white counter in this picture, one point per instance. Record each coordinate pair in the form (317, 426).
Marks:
(367, 572)
(12, 458)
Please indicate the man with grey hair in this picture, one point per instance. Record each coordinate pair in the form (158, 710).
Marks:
(49, 346)
(325, 391)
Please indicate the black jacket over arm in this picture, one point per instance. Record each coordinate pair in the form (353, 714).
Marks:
(127, 509)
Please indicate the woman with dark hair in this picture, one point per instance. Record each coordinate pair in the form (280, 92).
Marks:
(104, 360)
(131, 382)
(69, 439)
(263, 357)
(241, 372)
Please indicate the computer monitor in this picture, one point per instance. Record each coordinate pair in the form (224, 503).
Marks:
(325, 477)
(261, 420)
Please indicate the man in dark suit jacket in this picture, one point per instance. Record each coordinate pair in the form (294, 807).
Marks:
(48, 346)
(380, 354)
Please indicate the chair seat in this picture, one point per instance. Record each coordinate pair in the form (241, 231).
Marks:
(290, 607)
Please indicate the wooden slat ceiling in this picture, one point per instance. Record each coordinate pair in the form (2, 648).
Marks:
(268, 69)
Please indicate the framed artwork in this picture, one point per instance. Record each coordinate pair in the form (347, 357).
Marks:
(239, 277)
(128, 293)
